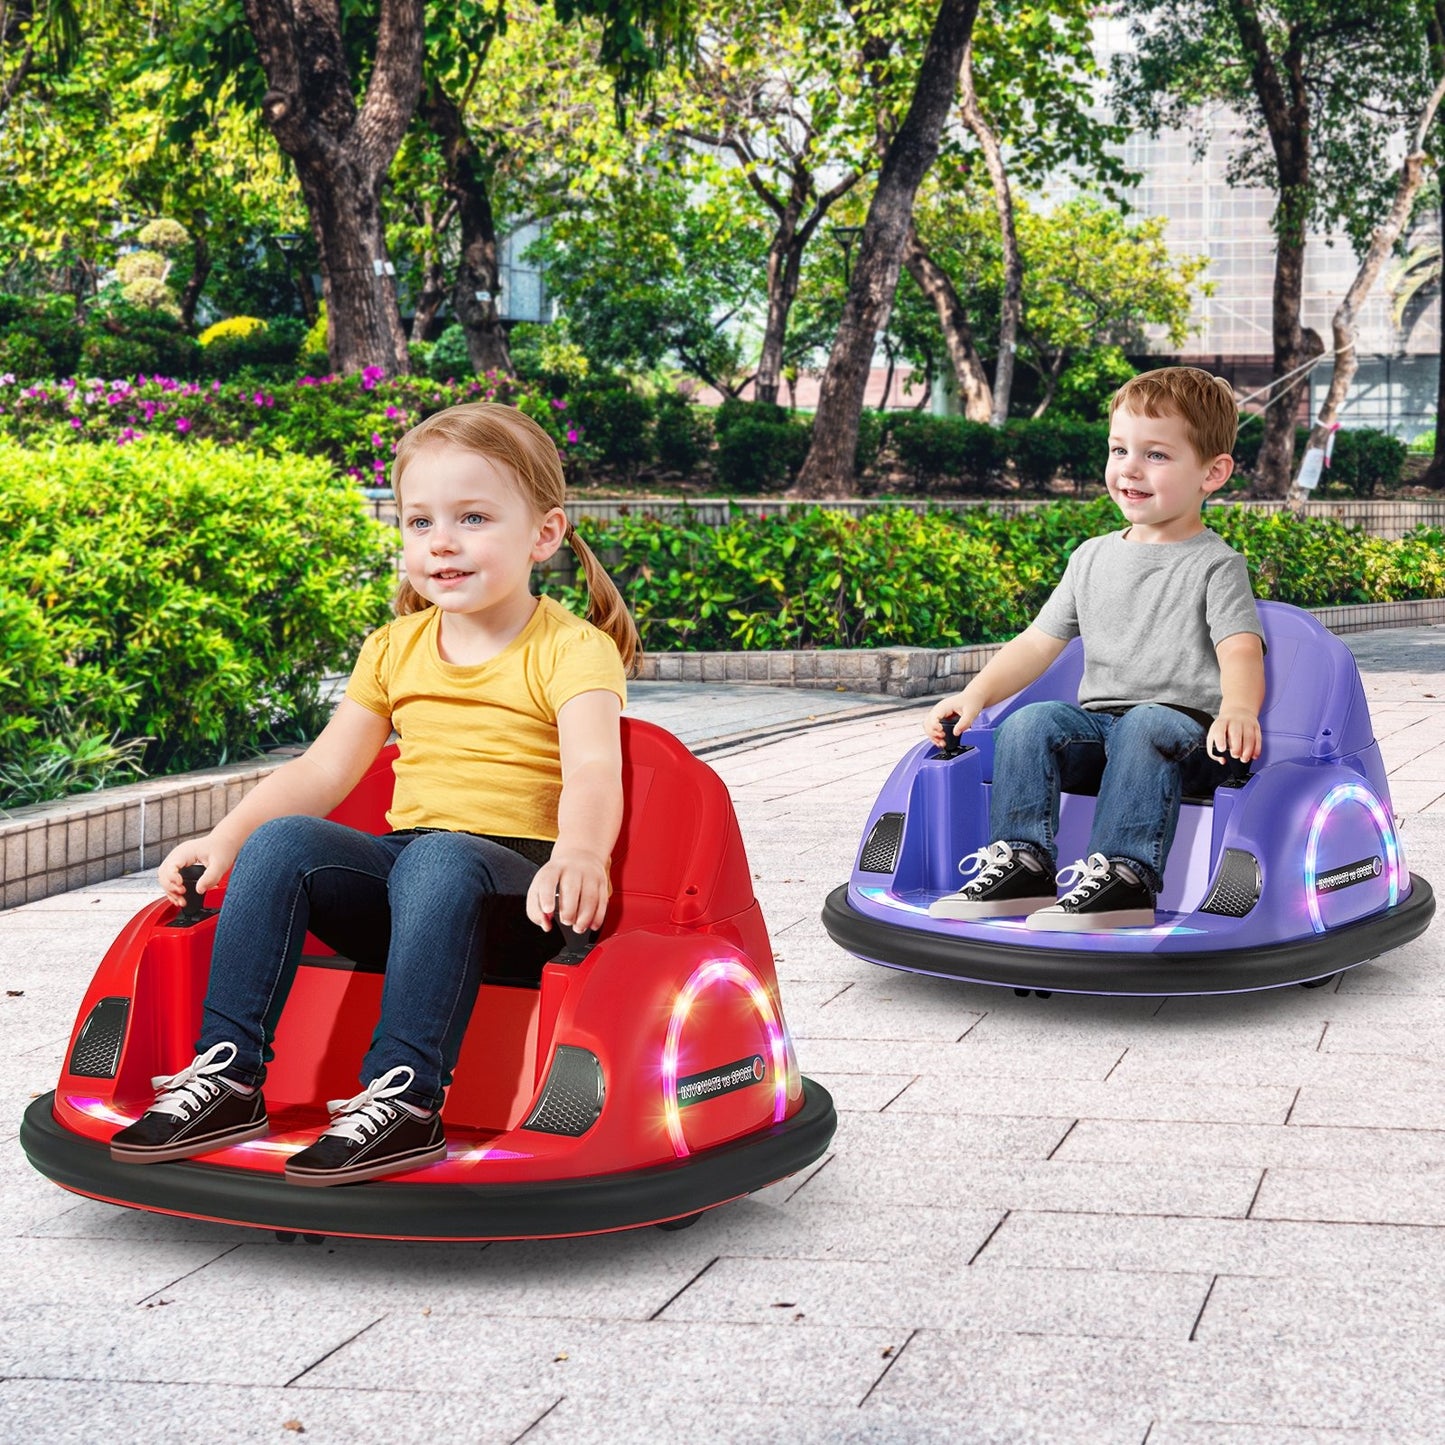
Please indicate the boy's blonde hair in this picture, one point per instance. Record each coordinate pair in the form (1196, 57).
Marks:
(1204, 403)
(512, 439)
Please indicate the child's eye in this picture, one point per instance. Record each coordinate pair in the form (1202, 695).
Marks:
(474, 517)
(417, 523)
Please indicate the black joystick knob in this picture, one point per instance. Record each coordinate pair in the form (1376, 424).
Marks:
(952, 746)
(194, 908)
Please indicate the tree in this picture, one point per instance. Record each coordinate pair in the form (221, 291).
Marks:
(1346, 334)
(828, 468)
(771, 87)
(649, 270)
(1301, 70)
(36, 46)
(338, 89)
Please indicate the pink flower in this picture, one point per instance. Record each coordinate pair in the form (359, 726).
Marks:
(76, 422)
(376, 438)
(183, 424)
(571, 433)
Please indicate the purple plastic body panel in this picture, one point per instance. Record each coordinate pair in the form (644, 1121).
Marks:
(1319, 778)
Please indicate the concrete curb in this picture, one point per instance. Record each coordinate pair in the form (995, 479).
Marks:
(52, 848)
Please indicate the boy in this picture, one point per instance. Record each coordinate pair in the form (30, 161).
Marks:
(1173, 661)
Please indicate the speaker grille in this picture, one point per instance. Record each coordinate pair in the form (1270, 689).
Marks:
(1236, 885)
(96, 1054)
(880, 852)
(572, 1096)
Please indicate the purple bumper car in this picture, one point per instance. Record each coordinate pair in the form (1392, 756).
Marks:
(1289, 872)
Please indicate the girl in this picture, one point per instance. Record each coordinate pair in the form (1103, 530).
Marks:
(508, 800)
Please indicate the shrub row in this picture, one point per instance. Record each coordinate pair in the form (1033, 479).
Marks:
(816, 578)
(190, 596)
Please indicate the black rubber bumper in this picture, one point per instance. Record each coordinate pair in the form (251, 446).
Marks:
(381, 1210)
(1037, 965)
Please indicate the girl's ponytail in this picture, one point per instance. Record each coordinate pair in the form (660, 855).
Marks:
(606, 610)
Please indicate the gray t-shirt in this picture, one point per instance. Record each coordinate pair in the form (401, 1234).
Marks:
(1151, 614)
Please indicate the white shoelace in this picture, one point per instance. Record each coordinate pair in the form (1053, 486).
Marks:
(366, 1112)
(988, 863)
(1085, 877)
(181, 1095)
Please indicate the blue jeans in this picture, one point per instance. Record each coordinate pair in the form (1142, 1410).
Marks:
(1146, 754)
(431, 907)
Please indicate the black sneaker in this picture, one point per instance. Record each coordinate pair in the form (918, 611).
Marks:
(1009, 885)
(195, 1112)
(1101, 895)
(370, 1136)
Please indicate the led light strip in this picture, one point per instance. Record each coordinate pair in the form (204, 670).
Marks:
(1349, 793)
(721, 970)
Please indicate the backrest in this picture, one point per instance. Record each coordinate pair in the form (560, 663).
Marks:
(679, 857)
(1314, 702)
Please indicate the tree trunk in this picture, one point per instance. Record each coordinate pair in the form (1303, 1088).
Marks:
(1011, 306)
(828, 470)
(476, 289)
(342, 156)
(1435, 473)
(1382, 243)
(785, 257)
(196, 281)
(1285, 104)
(968, 373)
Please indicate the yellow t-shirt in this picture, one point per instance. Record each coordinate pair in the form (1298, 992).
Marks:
(479, 746)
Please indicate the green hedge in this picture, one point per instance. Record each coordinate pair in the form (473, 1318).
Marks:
(818, 578)
(187, 594)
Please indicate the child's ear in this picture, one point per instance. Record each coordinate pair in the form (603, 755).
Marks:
(550, 534)
(1220, 471)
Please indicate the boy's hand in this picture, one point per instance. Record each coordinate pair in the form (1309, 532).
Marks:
(1236, 733)
(572, 886)
(957, 705)
(217, 861)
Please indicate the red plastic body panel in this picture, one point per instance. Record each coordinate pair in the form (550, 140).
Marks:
(682, 904)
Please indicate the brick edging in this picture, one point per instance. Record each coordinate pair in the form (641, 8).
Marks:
(53, 847)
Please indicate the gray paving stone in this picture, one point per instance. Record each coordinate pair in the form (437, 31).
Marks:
(51, 1274)
(1378, 1197)
(1083, 1099)
(968, 1057)
(1262, 1146)
(1378, 1105)
(1204, 1432)
(1217, 1246)
(173, 1343)
(622, 1276)
(793, 1294)
(728, 1364)
(1099, 1189)
(1320, 1312)
(75, 1412)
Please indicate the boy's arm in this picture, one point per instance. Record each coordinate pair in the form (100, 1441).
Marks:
(1241, 685)
(1013, 667)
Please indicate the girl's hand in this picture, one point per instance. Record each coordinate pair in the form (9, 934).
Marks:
(573, 886)
(216, 859)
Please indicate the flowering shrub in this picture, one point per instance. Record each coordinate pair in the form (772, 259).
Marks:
(352, 422)
(232, 328)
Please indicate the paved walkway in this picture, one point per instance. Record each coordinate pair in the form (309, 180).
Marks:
(1195, 1222)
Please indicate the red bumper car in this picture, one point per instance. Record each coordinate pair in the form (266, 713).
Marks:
(640, 1080)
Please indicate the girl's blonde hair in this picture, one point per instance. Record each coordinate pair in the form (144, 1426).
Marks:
(507, 436)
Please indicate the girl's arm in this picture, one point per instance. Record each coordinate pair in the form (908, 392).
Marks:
(313, 785)
(573, 884)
